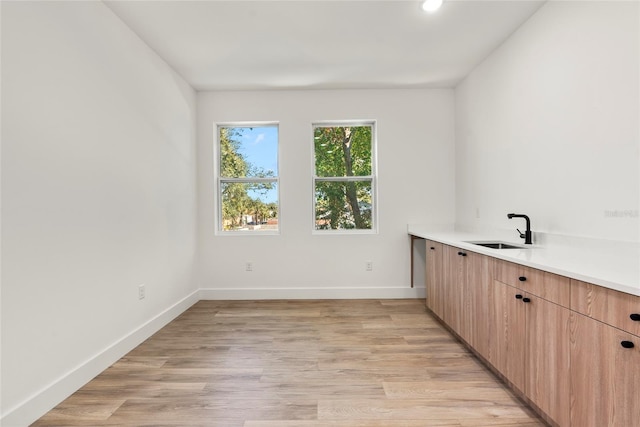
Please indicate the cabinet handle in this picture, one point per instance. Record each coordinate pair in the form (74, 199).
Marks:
(522, 279)
(627, 344)
(462, 254)
(518, 296)
(526, 300)
(432, 248)
(635, 317)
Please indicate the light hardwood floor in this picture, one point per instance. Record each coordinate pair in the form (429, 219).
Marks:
(346, 363)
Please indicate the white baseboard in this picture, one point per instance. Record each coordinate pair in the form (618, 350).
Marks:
(310, 293)
(44, 400)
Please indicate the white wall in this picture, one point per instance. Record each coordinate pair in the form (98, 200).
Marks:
(415, 185)
(98, 196)
(548, 125)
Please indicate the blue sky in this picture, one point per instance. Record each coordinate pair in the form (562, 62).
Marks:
(259, 146)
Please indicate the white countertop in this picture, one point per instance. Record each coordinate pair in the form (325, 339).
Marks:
(611, 264)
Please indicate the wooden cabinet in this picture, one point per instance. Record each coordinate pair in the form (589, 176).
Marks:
(454, 283)
(507, 344)
(605, 364)
(479, 295)
(531, 338)
(467, 278)
(605, 356)
(547, 362)
(434, 285)
(611, 307)
(546, 285)
(459, 291)
(572, 348)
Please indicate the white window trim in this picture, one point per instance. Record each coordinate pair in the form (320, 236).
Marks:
(373, 177)
(218, 181)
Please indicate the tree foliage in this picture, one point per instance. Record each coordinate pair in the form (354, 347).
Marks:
(343, 151)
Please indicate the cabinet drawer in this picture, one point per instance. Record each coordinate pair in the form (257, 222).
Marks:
(507, 272)
(549, 286)
(612, 307)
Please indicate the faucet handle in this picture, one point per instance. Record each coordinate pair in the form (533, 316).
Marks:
(522, 235)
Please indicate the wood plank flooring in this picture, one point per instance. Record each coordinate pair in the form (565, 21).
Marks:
(346, 363)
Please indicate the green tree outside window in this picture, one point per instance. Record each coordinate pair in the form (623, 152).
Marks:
(343, 181)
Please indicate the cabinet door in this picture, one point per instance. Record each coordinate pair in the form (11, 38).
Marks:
(605, 375)
(507, 343)
(449, 266)
(435, 295)
(479, 288)
(453, 279)
(547, 357)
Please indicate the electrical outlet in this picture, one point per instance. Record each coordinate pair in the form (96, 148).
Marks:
(369, 266)
(141, 291)
(248, 266)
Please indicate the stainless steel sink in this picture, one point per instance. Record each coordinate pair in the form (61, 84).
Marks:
(498, 245)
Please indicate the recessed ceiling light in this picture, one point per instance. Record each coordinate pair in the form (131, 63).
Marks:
(431, 5)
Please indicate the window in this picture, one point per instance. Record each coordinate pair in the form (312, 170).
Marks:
(248, 178)
(343, 182)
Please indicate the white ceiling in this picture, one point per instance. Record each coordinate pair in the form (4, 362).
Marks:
(305, 44)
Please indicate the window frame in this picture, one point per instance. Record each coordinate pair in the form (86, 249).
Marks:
(220, 180)
(373, 177)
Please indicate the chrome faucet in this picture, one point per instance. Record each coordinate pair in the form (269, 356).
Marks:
(527, 234)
